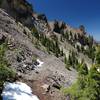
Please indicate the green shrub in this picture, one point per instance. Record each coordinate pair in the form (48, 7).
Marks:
(5, 72)
(87, 86)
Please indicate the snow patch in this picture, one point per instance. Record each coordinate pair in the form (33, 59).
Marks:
(40, 63)
(17, 91)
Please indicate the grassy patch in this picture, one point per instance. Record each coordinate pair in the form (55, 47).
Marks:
(75, 92)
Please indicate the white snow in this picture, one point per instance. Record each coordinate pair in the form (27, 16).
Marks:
(17, 91)
(40, 63)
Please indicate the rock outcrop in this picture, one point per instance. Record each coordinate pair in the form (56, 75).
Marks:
(41, 24)
(21, 10)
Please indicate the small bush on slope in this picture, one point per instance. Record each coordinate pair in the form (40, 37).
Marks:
(5, 72)
(87, 86)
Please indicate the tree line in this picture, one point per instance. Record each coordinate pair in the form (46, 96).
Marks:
(50, 44)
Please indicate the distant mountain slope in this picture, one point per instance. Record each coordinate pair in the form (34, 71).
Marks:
(78, 39)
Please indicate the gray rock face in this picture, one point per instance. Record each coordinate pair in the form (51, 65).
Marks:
(21, 10)
(20, 55)
(41, 24)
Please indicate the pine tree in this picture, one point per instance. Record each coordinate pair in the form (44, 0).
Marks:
(75, 37)
(57, 49)
(83, 70)
(98, 56)
(61, 52)
(61, 38)
(78, 48)
(66, 35)
(65, 60)
(82, 48)
(56, 26)
(67, 65)
(70, 60)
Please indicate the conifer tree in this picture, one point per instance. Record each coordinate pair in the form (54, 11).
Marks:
(61, 52)
(61, 38)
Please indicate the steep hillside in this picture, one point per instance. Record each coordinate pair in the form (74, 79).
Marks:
(57, 61)
(68, 38)
(22, 54)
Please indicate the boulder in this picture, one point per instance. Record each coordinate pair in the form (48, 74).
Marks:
(46, 87)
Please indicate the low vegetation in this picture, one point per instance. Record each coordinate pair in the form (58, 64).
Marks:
(6, 74)
(87, 86)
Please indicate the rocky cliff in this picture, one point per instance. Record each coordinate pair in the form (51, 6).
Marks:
(21, 10)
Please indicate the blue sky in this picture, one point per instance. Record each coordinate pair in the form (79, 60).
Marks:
(73, 12)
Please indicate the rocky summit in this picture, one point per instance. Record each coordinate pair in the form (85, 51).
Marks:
(54, 59)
